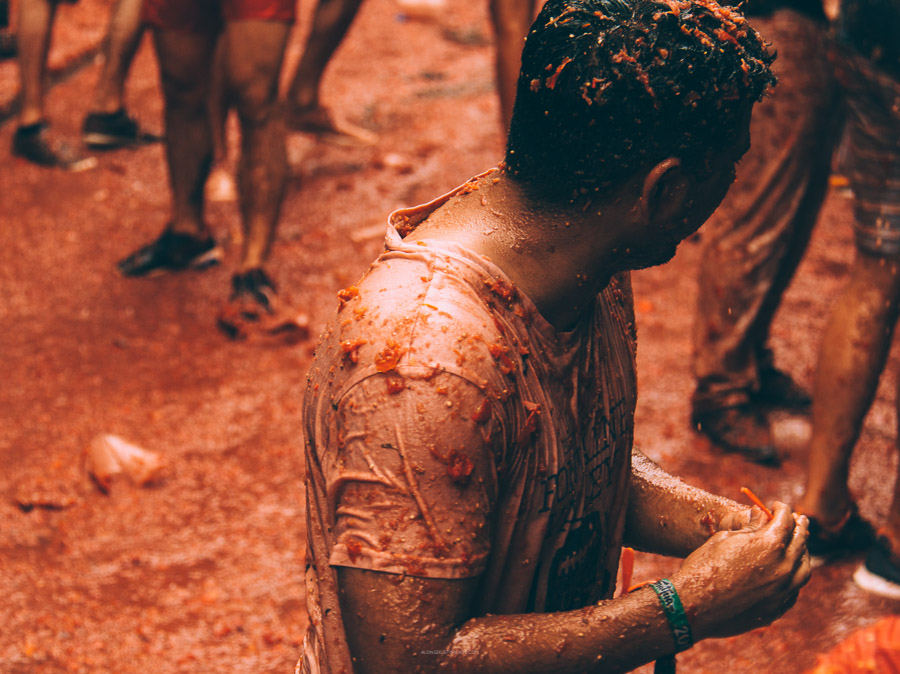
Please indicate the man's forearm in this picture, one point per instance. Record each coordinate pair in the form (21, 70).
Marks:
(668, 516)
(408, 624)
(614, 636)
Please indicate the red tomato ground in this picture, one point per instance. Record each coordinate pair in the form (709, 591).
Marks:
(203, 571)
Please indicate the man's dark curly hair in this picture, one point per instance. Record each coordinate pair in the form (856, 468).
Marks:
(610, 87)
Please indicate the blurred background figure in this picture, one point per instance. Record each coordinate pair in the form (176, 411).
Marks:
(254, 36)
(754, 242)
(32, 139)
(511, 20)
(860, 328)
(107, 125)
(303, 109)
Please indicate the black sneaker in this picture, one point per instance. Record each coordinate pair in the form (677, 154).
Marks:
(171, 252)
(9, 46)
(742, 430)
(878, 574)
(778, 390)
(35, 144)
(110, 130)
(851, 535)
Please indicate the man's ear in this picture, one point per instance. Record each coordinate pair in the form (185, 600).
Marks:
(663, 193)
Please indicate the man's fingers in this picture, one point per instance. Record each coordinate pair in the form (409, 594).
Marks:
(753, 519)
(803, 572)
(799, 538)
(797, 555)
(782, 521)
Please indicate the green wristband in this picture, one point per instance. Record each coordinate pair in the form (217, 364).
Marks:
(668, 597)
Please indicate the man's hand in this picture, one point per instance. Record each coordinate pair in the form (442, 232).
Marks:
(749, 518)
(745, 577)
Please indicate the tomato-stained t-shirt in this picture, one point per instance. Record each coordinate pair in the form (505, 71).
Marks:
(452, 432)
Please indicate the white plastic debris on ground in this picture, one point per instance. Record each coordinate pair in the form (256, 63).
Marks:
(109, 455)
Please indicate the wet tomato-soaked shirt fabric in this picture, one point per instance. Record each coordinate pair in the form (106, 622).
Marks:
(451, 432)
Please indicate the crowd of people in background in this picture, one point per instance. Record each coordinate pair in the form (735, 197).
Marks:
(838, 80)
(212, 57)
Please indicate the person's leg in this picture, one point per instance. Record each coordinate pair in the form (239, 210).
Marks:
(754, 242)
(32, 139)
(330, 23)
(254, 52)
(891, 529)
(872, 86)
(219, 103)
(185, 59)
(35, 23)
(108, 125)
(220, 185)
(854, 349)
(124, 35)
(8, 45)
(512, 20)
(858, 335)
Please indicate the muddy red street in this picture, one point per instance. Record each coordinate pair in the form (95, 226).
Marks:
(202, 570)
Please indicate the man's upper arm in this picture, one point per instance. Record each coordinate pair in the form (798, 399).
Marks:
(411, 485)
(401, 623)
(410, 477)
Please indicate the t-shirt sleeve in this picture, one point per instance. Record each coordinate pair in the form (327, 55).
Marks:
(411, 479)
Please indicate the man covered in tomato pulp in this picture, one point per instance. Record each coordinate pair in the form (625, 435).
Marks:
(469, 415)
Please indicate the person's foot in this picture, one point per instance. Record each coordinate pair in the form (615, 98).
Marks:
(742, 430)
(777, 389)
(34, 143)
(319, 122)
(254, 307)
(110, 130)
(879, 574)
(848, 535)
(172, 251)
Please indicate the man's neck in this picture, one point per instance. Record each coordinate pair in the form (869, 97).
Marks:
(560, 258)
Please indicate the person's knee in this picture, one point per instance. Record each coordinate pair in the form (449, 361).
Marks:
(255, 99)
(185, 95)
(185, 64)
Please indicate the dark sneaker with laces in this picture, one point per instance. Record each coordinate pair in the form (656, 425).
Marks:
(112, 130)
(879, 574)
(778, 390)
(742, 430)
(171, 252)
(851, 535)
(254, 308)
(35, 144)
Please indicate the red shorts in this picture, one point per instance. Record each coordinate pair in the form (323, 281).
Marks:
(207, 16)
